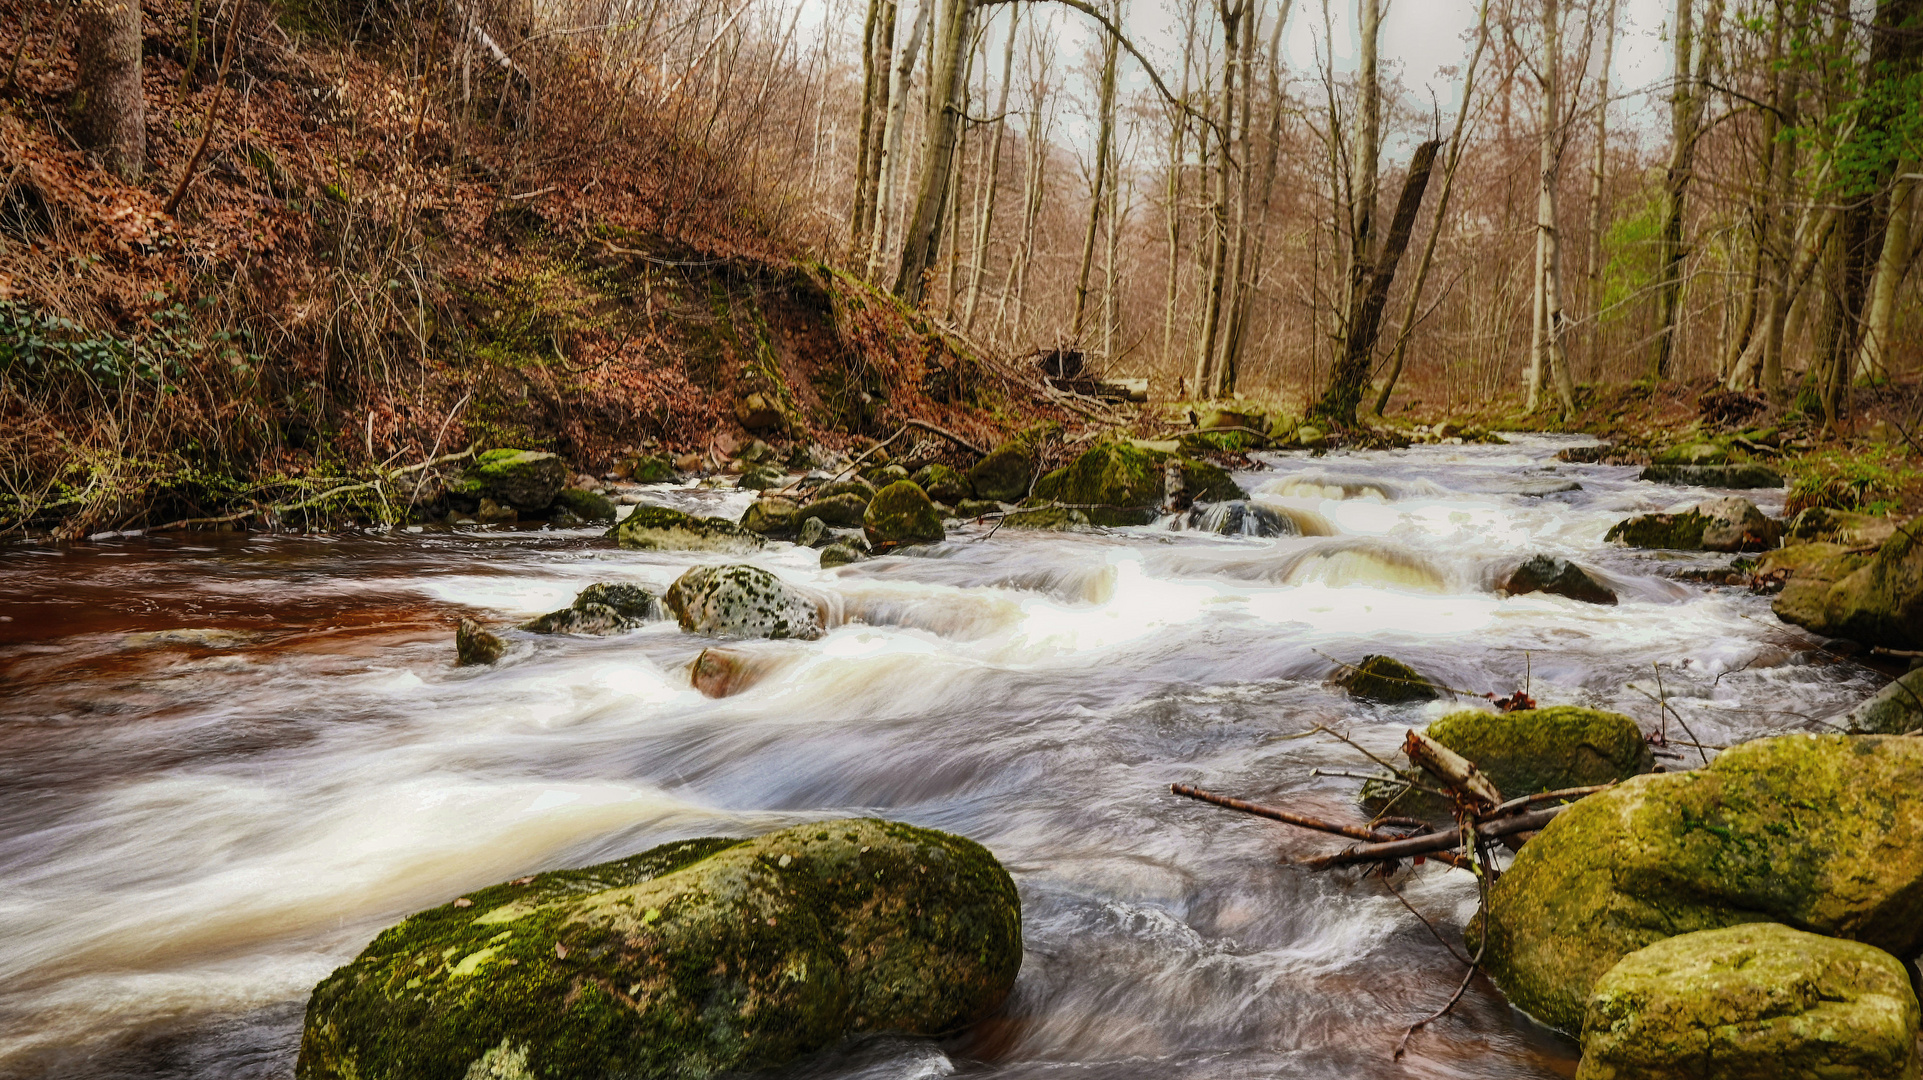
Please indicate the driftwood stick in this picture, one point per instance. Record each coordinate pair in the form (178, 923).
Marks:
(1546, 796)
(1430, 843)
(949, 435)
(1456, 772)
(1353, 832)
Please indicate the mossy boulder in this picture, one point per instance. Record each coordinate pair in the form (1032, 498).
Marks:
(1755, 1001)
(647, 469)
(1820, 523)
(974, 508)
(743, 602)
(760, 478)
(852, 485)
(1701, 453)
(1124, 484)
(475, 646)
(1045, 519)
(687, 960)
(1003, 474)
(846, 510)
(601, 609)
(902, 513)
(585, 505)
(1874, 599)
(1560, 577)
(1529, 751)
(662, 528)
(1897, 709)
(1820, 832)
(883, 475)
(527, 480)
(1730, 523)
(1715, 476)
(841, 553)
(943, 484)
(1385, 679)
(772, 515)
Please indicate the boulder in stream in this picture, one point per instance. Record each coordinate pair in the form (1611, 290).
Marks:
(943, 484)
(1822, 832)
(1875, 599)
(1715, 476)
(1529, 751)
(1730, 523)
(1897, 709)
(601, 609)
(1755, 1000)
(526, 480)
(1124, 484)
(772, 515)
(723, 672)
(662, 528)
(743, 601)
(1560, 577)
(900, 514)
(841, 553)
(694, 958)
(475, 645)
(1003, 474)
(1385, 679)
(1820, 523)
(845, 510)
(851, 485)
(584, 505)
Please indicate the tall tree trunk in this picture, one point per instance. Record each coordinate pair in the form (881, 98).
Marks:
(1409, 311)
(109, 110)
(888, 194)
(1235, 281)
(1219, 205)
(1111, 265)
(1685, 119)
(1548, 353)
(1891, 269)
(1598, 196)
(1172, 199)
(1350, 376)
(878, 38)
(1365, 159)
(1272, 132)
(1103, 140)
(921, 244)
(984, 223)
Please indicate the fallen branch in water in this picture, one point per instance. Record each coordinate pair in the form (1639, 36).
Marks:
(1304, 821)
(1457, 773)
(1430, 843)
(947, 434)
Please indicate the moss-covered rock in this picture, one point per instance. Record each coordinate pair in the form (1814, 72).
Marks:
(1822, 832)
(1715, 476)
(1003, 473)
(1693, 454)
(883, 475)
(647, 469)
(1535, 750)
(1384, 679)
(693, 958)
(841, 553)
(772, 515)
(1820, 523)
(1754, 1001)
(851, 485)
(1548, 574)
(661, 528)
(943, 484)
(902, 513)
(628, 600)
(760, 478)
(585, 505)
(974, 508)
(845, 510)
(527, 480)
(743, 602)
(1897, 709)
(1123, 484)
(1046, 519)
(1730, 523)
(1874, 599)
(475, 646)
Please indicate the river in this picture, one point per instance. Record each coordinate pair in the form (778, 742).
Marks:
(228, 760)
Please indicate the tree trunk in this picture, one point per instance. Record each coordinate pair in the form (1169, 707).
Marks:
(922, 243)
(984, 224)
(1103, 139)
(1236, 279)
(1350, 377)
(1548, 353)
(1173, 200)
(109, 109)
(1685, 118)
(1891, 269)
(878, 37)
(1219, 205)
(1239, 313)
(889, 171)
(1598, 196)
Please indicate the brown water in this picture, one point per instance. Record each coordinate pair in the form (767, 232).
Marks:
(195, 829)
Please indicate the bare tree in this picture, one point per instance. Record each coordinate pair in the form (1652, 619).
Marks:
(110, 109)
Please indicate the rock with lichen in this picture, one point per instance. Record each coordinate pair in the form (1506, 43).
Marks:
(1384, 679)
(1003, 473)
(1558, 577)
(1125, 484)
(943, 484)
(743, 601)
(900, 514)
(475, 645)
(693, 958)
(525, 480)
(662, 528)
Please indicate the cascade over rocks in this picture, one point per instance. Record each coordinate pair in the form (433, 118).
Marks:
(1876, 599)
(1385, 679)
(1548, 574)
(1755, 1000)
(662, 528)
(1820, 832)
(526, 480)
(902, 513)
(1003, 474)
(1123, 484)
(690, 959)
(743, 601)
(1240, 517)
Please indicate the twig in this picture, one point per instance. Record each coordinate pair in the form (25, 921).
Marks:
(1397, 780)
(207, 121)
(1365, 753)
(1664, 705)
(1437, 934)
(1433, 842)
(1467, 977)
(1353, 832)
(1545, 796)
(947, 434)
(852, 465)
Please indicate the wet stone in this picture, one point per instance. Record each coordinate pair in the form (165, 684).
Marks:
(474, 645)
(1560, 577)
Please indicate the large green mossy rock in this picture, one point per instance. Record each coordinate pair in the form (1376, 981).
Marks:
(902, 513)
(772, 515)
(1875, 599)
(1821, 832)
(1003, 473)
(844, 510)
(743, 602)
(943, 484)
(694, 958)
(1123, 484)
(1730, 523)
(1754, 1002)
(1531, 751)
(662, 528)
(527, 480)
(1714, 476)
(1385, 679)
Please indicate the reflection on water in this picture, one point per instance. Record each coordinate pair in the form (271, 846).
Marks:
(199, 825)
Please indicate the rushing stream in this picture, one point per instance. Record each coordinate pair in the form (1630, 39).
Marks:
(227, 761)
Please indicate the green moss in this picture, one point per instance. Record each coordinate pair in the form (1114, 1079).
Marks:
(689, 959)
(772, 516)
(1717, 476)
(1003, 473)
(1678, 532)
(661, 528)
(1387, 680)
(527, 480)
(943, 484)
(902, 513)
(584, 504)
(844, 511)
(1122, 484)
(1823, 832)
(1534, 750)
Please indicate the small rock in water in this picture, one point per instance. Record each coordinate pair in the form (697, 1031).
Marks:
(1385, 679)
(1730, 523)
(584, 505)
(526, 480)
(845, 509)
(1240, 517)
(841, 553)
(584, 620)
(628, 601)
(203, 637)
(1003, 474)
(902, 513)
(475, 645)
(1532, 750)
(771, 515)
(814, 533)
(1715, 476)
(743, 602)
(492, 513)
(1560, 577)
(720, 672)
(1754, 1000)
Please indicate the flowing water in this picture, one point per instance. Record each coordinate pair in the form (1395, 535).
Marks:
(228, 761)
